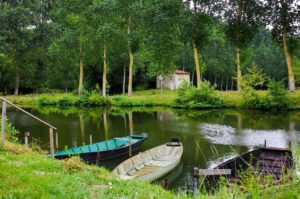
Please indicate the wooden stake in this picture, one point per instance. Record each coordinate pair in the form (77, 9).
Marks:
(51, 141)
(91, 139)
(3, 125)
(56, 140)
(130, 119)
(26, 134)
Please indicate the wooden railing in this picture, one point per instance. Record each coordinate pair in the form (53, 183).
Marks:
(3, 125)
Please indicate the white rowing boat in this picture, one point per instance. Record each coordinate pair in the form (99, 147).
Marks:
(151, 164)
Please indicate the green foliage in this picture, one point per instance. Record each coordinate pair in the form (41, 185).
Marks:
(254, 78)
(46, 100)
(202, 97)
(278, 96)
(64, 102)
(276, 99)
(11, 132)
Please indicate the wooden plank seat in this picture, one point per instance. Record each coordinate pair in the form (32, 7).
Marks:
(145, 170)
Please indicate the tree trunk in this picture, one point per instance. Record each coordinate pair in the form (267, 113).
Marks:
(288, 58)
(17, 83)
(239, 72)
(193, 78)
(161, 85)
(81, 69)
(124, 80)
(221, 87)
(196, 57)
(131, 61)
(104, 72)
(226, 84)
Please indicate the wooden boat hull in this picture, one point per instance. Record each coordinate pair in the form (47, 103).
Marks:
(102, 155)
(152, 164)
(265, 161)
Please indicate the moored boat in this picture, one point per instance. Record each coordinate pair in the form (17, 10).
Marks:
(263, 161)
(94, 153)
(151, 164)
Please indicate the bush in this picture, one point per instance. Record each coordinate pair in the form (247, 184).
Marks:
(65, 102)
(97, 100)
(11, 132)
(278, 96)
(45, 100)
(202, 97)
(124, 101)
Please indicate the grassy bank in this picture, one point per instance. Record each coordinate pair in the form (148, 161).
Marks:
(27, 173)
(231, 99)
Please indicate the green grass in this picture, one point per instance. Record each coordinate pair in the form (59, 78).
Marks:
(29, 174)
(153, 97)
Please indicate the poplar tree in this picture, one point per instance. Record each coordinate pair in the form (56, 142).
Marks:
(284, 18)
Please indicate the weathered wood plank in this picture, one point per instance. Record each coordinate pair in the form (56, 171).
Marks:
(3, 125)
(214, 171)
(51, 141)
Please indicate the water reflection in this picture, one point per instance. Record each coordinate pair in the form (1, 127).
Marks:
(227, 135)
(208, 136)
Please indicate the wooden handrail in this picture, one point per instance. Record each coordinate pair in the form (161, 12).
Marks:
(34, 117)
(3, 131)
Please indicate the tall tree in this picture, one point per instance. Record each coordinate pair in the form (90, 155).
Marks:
(196, 28)
(16, 32)
(161, 24)
(243, 20)
(72, 16)
(284, 17)
(129, 10)
(106, 31)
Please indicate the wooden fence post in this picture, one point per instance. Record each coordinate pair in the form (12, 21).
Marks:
(91, 139)
(27, 134)
(56, 140)
(3, 125)
(51, 141)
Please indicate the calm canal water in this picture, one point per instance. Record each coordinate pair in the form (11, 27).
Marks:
(208, 136)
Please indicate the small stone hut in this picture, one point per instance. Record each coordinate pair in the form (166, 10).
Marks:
(173, 81)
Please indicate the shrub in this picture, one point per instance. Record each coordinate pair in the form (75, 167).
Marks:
(124, 101)
(278, 96)
(45, 100)
(97, 100)
(11, 132)
(251, 99)
(65, 102)
(202, 97)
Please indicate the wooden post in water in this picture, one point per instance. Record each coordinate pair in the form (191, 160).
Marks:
(26, 135)
(195, 180)
(56, 140)
(130, 120)
(91, 139)
(3, 125)
(51, 141)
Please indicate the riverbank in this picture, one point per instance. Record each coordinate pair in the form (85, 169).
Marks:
(231, 99)
(29, 174)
